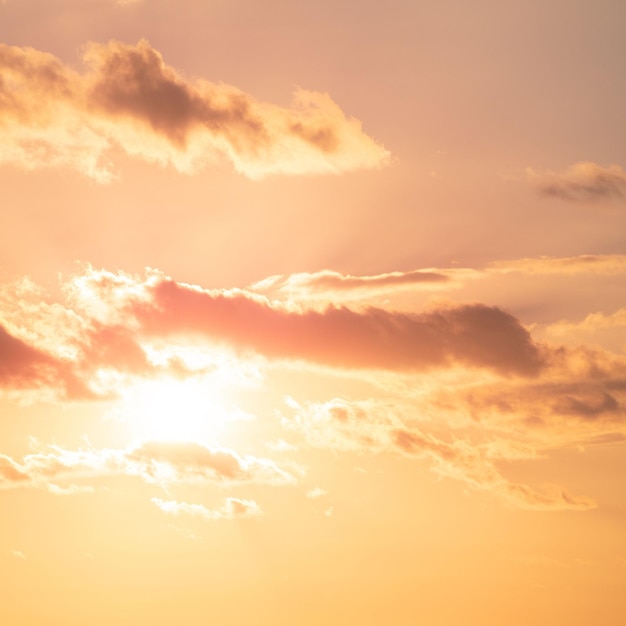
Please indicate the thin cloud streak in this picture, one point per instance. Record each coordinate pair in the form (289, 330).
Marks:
(609, 264)
(233, 508)
(327, 284)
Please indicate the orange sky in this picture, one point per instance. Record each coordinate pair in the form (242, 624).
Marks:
(312, 313)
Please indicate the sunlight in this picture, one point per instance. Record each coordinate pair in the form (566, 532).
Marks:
(173, 410)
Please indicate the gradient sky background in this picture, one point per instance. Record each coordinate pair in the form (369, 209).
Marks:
(312, 312)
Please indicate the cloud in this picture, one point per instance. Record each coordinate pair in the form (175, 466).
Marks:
(157, 462)
(191, 460)
(121, 315)
(582, 182)
(315, 493)
(25, 367)
(371, 427)
(115, 329)
(120, 323)
(470, 464)
(579, 399)
(328, 284)
(512, 398)
(234, 508)
(608, 264)
(472, 335)
(129, 99)
(21, 364)
(597, 329)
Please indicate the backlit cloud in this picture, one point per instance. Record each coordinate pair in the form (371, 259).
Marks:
(473, 335)
(329, 285)
(128, 98)
(369, 426)
(234, 508)
(157, 462)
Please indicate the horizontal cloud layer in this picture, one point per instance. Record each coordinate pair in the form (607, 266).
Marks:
(473, 366)
(473, 335)
(128, 98)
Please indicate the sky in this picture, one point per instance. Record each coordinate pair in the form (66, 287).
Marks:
(312, 312)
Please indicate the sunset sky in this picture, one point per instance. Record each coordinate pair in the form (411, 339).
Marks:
(312, 312)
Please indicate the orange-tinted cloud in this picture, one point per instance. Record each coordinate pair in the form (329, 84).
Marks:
(154, 461)
(582, 182)
(582, 264)
(129, 98)
(372, 427)
(470, 464)
(233, 508)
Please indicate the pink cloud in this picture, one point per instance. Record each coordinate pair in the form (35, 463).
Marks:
(472, 335)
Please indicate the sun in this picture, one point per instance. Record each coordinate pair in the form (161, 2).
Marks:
(169, 409)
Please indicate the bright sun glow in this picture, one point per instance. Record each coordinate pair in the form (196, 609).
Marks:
(173, 410)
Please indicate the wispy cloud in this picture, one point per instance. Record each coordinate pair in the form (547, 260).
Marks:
(328, 284)
(582, 182)
(369, 426)
(233, 508)
(582, 264)
(128, 98)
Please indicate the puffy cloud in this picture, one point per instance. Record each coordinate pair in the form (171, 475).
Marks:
(579, 400)
(597, 329)
(582, 182)
(233, 508)
(128, 98)
(158, 462)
